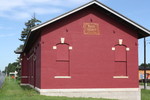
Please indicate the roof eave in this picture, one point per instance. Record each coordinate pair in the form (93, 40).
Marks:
(143, 31)
(86, 5)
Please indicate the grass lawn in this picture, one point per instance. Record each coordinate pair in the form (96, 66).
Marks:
(145, 94)
(11, 90)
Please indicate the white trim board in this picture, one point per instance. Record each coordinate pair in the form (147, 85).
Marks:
(87, 89)
(86, 5)
(24, 84)
(62, 76)
(120, 76)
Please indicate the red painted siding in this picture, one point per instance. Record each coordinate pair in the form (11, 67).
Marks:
(32, 65)
(24, 69)
(91, 61)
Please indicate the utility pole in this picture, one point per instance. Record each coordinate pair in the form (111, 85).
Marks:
(145, 80)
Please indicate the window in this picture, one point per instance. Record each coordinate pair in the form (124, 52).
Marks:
(62, 52)
(120, 60)
(120, 53)
(62, 60)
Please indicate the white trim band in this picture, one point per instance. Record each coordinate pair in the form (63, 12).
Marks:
(120, 76)
(62, 76)
(24, 84)
(87, 89)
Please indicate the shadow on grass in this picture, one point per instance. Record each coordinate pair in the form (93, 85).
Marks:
(29, 91)
(26, 88)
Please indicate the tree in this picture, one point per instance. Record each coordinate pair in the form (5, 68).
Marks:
(142, 66)
(11, 67)
(29, 24)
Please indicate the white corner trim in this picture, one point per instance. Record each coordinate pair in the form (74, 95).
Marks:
(113, 48)
(70, 48)
(120, 76)
(62, 76)
(54, 47)
(127, 49)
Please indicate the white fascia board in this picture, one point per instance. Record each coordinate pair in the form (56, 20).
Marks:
(62, 16)
(122, 17)
(101, 5)
(86, 5)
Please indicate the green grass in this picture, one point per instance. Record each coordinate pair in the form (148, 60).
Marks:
(145, 94)
(11, 90)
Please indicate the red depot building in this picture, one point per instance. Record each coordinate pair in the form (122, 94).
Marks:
(91, 51)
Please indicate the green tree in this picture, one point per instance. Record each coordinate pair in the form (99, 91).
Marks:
(142, 65)
(29, 24)
(11, 67)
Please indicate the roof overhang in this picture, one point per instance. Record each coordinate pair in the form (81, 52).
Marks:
(146, 31)
(143, 32)
(18, 51)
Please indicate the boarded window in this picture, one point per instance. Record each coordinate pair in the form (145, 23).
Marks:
(62, 68)
(120, 53)
(120, 69)
(63, 52)
(120, 61)
(62, 59)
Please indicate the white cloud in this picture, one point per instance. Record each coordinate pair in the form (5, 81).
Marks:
(7, 5)
(23, 9)
(7, 35)
(46, 10)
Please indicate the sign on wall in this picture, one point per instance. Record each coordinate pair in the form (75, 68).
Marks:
(91, 28)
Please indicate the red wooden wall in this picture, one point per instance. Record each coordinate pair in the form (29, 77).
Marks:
(91, 63)
(31, 65)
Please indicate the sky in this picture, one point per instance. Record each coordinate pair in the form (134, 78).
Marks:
(14, 13)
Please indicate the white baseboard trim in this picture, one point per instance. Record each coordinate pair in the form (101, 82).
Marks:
(24, 84)
(88, 90)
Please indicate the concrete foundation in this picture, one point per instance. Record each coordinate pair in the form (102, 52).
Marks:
(110, 93)
(120, 94)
